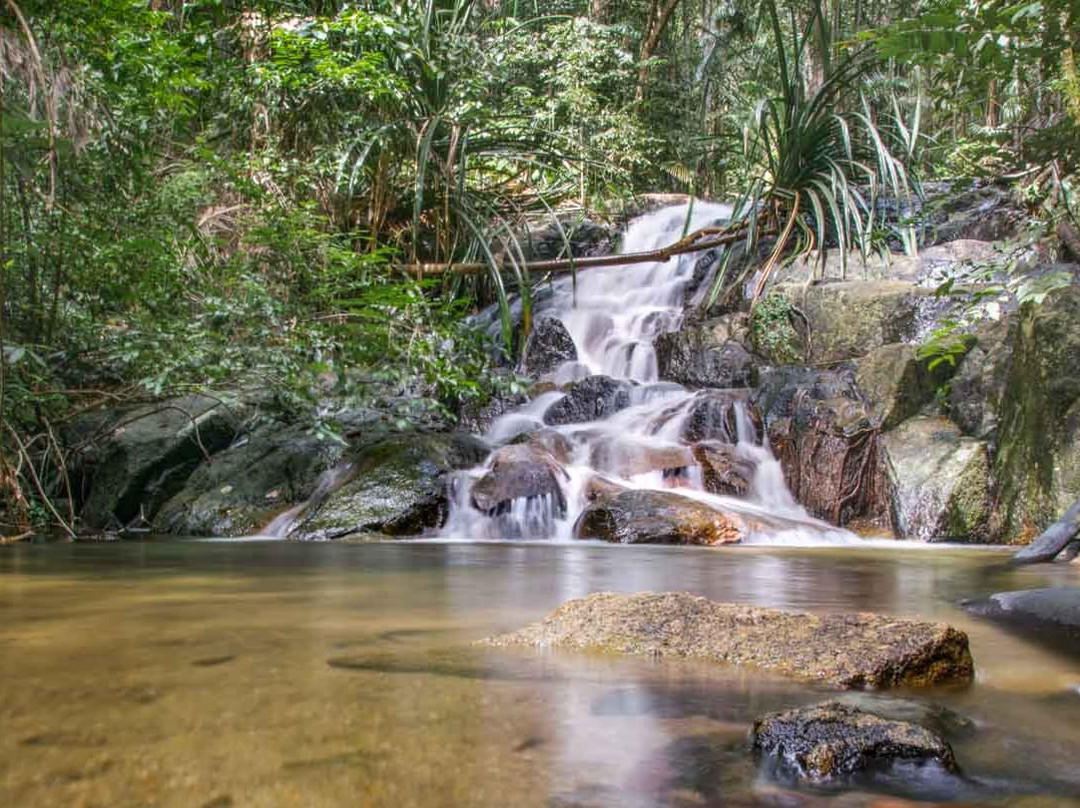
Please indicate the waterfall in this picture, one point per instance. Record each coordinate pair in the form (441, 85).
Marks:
(614, 316)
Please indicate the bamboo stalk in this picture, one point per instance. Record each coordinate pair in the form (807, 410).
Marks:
(705, 239)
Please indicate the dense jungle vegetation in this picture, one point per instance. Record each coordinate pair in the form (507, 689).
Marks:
(235, 195)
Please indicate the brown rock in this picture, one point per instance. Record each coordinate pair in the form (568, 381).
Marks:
(845, 650)
(724, 470)
(519, 472)
(658, 517)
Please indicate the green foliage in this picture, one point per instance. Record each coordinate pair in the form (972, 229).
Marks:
(772, 330)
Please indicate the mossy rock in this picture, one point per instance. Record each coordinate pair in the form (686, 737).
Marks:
(897, 384)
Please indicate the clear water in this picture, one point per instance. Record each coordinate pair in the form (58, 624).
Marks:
(281, 674)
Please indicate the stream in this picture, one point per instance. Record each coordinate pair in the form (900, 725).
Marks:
(258, 673)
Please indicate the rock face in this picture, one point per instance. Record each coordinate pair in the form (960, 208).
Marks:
(833, 739)
(848, 319)
(977, 389)
(827, 442)
(1055, 612)
(138, 458)
(270, 470)
(548, 346)
(845, 650)
(657, 517)
(590, 399)
(707, 355)
(398, 487)
(1038, 464)
(941, 482)
(896, 384)
(518, 472)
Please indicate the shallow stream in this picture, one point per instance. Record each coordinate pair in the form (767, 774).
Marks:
(260, 673)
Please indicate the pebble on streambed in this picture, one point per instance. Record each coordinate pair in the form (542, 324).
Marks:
(844, 650)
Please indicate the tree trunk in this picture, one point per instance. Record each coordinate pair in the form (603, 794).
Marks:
(1056, 538)
(659, 16)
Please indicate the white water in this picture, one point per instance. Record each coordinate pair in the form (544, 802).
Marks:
(614, 318)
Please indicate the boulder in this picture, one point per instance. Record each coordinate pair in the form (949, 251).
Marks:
(548, 440)
(976, 390)
(827, 441)
(519, 472)
(710, 354)
(273, 468)
(591, 399)
(714, 416)
(849, 319)
(132, 460)
(896, 383)
(844, 650)
(983, 211)
(1038, 462)
(834, 739)
(397, 487)
(1052, 613)
(548, 346)
(629, 457)
(941, 482)
(544, 239)
(658, 517)
(724, 470)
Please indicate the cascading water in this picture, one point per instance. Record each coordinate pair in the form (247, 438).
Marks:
(613, 318)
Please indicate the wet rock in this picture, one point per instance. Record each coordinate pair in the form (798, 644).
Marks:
(1061, 538)
(896, 383)
(849, 319)
(983, 212)
(927, 265)
(935, 717)
(710, 354)
(1038, 463)
(630, 457)
(658, 517)
(478, 416)
(274, 467)
(548, 346)
(846, 650)
(714, 416)
(591, 399)
(941, 482)
(573, 235)
(976, 391)
(398, 487)
(1054, 612)
(834, 739)
(724, 470)
(519, 472)
(827, 441)
(548, 440)
(135, 459)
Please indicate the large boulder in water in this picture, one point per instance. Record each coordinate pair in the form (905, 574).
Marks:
(845, 650)
(628, 456)
(724, 470)
(519, 472)
(658, 517)
(1052, 614)
(941, 482)
(714, 416)
(849, 319)
(833, 739)
(709, 354)
(397, 487)
(591, 399)
(827, 441)
(548, 346)
(132, 460)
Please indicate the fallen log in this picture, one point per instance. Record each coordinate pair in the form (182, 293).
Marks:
(1055, 539)
(707, 238)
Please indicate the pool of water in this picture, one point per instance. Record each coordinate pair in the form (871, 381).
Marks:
(282, 674)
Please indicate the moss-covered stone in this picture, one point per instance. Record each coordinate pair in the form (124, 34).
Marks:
(896, 383)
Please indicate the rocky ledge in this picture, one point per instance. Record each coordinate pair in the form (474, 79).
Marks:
(832, 739)
(844, 650)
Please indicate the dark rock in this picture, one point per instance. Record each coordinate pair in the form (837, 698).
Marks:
(478, 416)
(1054, 612)
(724, 470)
(714, 416)
(519, 472)
(846, 650)
(941, 482)
(630, 457)
(398, 487)
(897, 384)
(573, 235)
(827, 442)
(707, 355)
(834, 739)
(548, 346)
(590, 399)
(657, 517)
(982, 212)
(137, 458)
(977, 389)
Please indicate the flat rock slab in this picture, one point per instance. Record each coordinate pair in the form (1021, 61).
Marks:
(846, 650)
(832, 739)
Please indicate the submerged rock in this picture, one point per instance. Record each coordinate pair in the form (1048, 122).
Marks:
(519, 472)
(941, 482)
(657, 517)
(845, 650)
(707, 355)
(833, 739)
(591, 399)
(548, 346)
(398, 487)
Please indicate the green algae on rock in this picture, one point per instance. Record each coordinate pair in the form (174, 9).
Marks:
(844, 650)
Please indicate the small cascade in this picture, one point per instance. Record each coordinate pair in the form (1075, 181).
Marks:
(329, 481)
(544, 473)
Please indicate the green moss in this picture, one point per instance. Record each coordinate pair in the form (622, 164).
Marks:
(772, 331)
